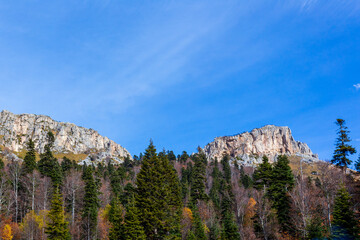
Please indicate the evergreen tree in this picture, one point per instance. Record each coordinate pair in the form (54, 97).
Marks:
(198, 226)
(226, 168)
(57, 227)
(171, 156)
(116, 220)
(2, 165)
(263, 174)
(245, 179)
(133, 229)
(315, 229)
(29, 164)
(357, 164)
(158, 196)
(282, 181)
(48, 164)
(198, 178)
(230, 229)
(66, 165)
(216, 186)
(344, 222)
(91, 204)
(184, 157)
(343, 149)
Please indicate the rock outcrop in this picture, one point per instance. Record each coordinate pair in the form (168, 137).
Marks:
(16, 130)
(249, 147)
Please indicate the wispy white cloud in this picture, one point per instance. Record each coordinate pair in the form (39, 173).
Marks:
(357, 86)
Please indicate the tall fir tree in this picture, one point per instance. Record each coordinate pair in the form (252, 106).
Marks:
(158, 196)
(263, 174)
(357, 164)
(48, 164)
(282, 181)
(343, 148)
(216, 185)
(230, 230)
(116, 231)
(344, 222)
(91, 204)
(133, 230)
(198, 226)
(29, 164)
(57, 227)
(197, 191)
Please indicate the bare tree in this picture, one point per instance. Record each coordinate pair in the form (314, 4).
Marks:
(14, 171)
(73, 190)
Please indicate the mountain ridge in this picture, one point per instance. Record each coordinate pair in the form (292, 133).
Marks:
(17, 129)
(249, 147)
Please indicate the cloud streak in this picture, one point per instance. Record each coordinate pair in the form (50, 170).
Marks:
(357, 86)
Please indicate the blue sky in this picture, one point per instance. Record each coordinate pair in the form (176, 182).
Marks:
(184, 72)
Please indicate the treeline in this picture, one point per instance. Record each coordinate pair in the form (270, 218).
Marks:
(162, 196)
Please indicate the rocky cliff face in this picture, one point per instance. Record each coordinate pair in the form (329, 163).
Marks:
(16, 130)
(249, 147)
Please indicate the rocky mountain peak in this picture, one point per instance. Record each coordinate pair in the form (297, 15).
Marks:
(17, 129)
(249, 147)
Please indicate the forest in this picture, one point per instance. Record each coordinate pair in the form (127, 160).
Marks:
(158, 195)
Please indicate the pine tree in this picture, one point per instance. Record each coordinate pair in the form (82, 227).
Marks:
(245, 179)
(158, 196)
(263, 174)
(198, 226)
(216, 186)
(48, 164)
(344, 223)
(357, 164)
(29, 164)
(198, 178)
(230, 229)
(91, 204)
(66, 165)
(116, 220)
(133, 229)
(282, 181)
(343, 149)
(57, 227)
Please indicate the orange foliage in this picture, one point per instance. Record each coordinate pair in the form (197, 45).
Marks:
(249, 212)
(6, 233)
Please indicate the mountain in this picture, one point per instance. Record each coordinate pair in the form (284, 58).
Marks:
(17, 129)
(249, 147)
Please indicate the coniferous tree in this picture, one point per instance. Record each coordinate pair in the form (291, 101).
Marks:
(216, 186)
(29, 164)
(158, 196)
(57, 227)
(116, 231)
(282, 181)
(343, 149)
(66, 165)
(263, 174)
(48, 164)
(198, 178)
(133, 229)
(357, 164)
(230, 230)
(344, 222)
(245, 179)
(91, 204)
(198, 226)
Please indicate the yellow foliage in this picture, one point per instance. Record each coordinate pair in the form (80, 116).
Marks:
(249, 212)
(206, 229)
(39, 219)
(187, 213)
(6, 233)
